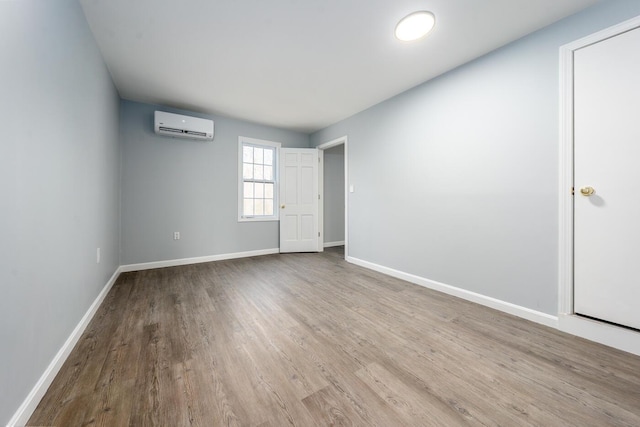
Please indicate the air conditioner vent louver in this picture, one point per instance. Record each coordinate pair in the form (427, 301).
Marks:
(179, 126)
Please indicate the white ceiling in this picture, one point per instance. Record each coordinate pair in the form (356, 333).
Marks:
(296, 64)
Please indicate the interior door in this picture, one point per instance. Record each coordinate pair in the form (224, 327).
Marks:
(606, 175)
(299, 200)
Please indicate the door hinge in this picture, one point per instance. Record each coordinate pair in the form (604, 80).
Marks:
(318, 197)
(573, 191)
(318, 234)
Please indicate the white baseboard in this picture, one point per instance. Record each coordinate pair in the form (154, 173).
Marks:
(507, 307)
(29, 405)
(613, 336)
(196, 260)
(332, 244)
(603, 333)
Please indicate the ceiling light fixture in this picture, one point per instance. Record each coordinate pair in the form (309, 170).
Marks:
(415, 26)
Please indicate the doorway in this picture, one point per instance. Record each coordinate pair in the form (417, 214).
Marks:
(606, 151)
(596, 239)
(334, 196)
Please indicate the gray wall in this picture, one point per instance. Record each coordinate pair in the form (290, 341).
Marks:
(189, 186)
(456, 180)
(59, 181)
(333, 181)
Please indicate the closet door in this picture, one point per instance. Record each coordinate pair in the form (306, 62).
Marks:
(607, 180)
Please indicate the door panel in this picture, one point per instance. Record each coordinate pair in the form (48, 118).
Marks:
(299, 200)
(307, 228)
(291, 185)
(607, 158)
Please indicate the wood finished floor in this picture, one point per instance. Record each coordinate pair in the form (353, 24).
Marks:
(309, 340)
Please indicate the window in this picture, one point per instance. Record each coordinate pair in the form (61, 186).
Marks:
(257, 170)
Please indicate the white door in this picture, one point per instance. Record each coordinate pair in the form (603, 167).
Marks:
(607, 180)
(299, 200)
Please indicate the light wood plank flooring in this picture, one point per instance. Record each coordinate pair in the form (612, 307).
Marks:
(310, 340)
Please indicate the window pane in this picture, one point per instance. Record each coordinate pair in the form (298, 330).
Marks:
(259, 194)
(248, 207)
(259, 207)
(258, 180)
(268, 173)
(258, 172)
(247, 154)
(268, 191)
(248, 189)
(258, 155)
(247, 171)
(268, 156)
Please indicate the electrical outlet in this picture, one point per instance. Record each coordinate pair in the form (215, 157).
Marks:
(176, 235)
(98, 256)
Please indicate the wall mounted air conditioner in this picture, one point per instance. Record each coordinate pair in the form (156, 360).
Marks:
(180, 126)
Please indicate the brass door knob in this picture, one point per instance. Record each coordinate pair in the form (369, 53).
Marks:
(587, 191)
(282, 207)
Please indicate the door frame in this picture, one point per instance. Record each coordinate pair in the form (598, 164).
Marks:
(333, 143)
(568, 321)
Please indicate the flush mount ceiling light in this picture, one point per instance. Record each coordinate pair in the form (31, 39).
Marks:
(415, 26)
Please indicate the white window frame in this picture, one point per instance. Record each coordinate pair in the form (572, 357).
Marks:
(242, 141)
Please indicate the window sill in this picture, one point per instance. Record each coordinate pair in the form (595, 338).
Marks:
(258, 218)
